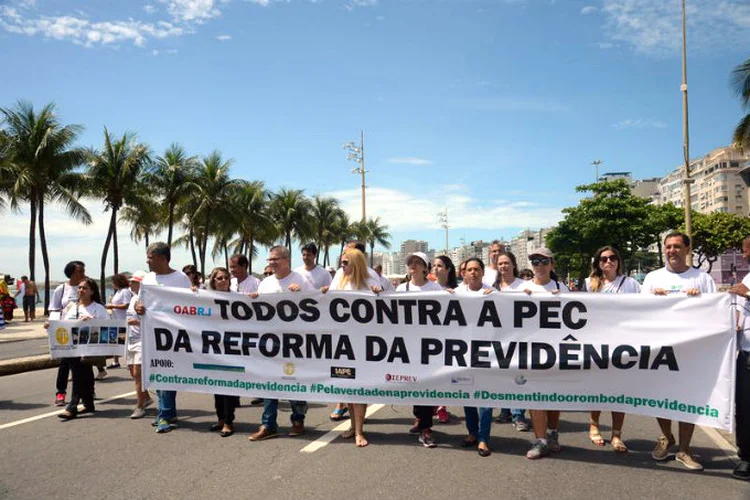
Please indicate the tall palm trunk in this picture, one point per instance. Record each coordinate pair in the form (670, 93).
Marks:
(32, 238)
(250, 256)
(146, 238)
(192, 247)
(102, 277)
(170, 223)
(45, 256)
(114, 247)
(205, 243)
(372, 253)
(325, 257)
(226, 254)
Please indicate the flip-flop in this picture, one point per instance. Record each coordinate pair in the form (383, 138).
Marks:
(618, 445)
(596, 438)
(338, 414)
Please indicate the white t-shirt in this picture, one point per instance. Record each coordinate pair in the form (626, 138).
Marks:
(134, 331)
(386, 285)
(274, 285)
(176, 279)
(62, 296)
(516, 286)
(319, 277)
(248, 285)
(76, 311)
(549, 287)
(742, 306)
(430, 286)
(678, 282)
(463, 289)
(122, 296)
(490, 275)
(336, 285)
(622, 284)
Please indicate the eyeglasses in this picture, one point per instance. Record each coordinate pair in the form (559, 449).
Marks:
(267, 273)
(221, 278)
(544, 261)
(604, 258)
(344, 262)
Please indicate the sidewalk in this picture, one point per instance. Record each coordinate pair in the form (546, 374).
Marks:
(18, 330)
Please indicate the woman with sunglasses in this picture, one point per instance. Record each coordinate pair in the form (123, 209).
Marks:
(607, 276)
(89, 306)
(354, 277)
(219, 281)
(445, 276)
(544, 422)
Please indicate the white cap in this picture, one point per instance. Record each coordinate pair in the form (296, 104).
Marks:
(421, 256)
(138, 276)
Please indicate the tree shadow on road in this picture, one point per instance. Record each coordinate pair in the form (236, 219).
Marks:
(11, 405)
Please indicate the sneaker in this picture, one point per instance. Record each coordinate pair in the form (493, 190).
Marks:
(113, 365)
(414, 430)
(521, 425)
(164, 426)
(101, 375)
(298, 428)
(686, 459)
(138, 413)
(425, 437)
(661, 450)
(263, 433)
(538, 450)
(256, 401)
(504, 417)
(59, 399)
(156, 421)
(443, 416)
(553, 442)
(742, 471)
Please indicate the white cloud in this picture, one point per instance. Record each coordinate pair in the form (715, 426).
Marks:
(410, 160)
(640, 123)
(606, 45)
(197, 11)
(589, 9)
(149, 9)
(224, 38)
(655, 27)
(262, 3)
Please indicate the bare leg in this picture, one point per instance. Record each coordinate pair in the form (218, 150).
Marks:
(686, 434)
(553, 419)
(594, 433)
(539, 423)
(666, 426)
(358, 417)
(135, 372)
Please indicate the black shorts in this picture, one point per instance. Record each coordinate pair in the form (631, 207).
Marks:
(29, 302)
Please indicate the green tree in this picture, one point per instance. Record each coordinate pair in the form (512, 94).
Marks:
(146, 218)
(290, 210)
(715, 233)
(42, 163)
(660, 219)
(171, 176)
(373, 232)
(114, 174)
(325, 212)
(741, 84)
(250, 206)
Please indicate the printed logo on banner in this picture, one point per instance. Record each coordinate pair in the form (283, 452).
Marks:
(192, 310)
(462, 380)
(61, 335)
(397, 378)
(343, 372)
(521, 380)
(289, 369)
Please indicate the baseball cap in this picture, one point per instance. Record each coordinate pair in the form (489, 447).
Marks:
(420, 255)
(543, 252)
(138, 276)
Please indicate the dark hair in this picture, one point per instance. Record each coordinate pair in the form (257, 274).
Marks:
(71, 266)
(241, 259)
(474, 259)
(358, 245)
(678, 234)
(310, 248)
(160, 248)
(95, 296)
(120, 281)
(190, 269)
(512, 258)
(595, 278)
(452, 279)
(526, 274)
(24, 277)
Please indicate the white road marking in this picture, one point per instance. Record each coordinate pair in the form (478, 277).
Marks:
(328, 437)
(721, 442)
(57, 412)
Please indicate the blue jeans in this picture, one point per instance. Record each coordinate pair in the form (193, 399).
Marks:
(478, 422)
(516, 413)
(271, 410)
(167, 405)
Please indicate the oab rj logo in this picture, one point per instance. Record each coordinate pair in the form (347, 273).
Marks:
(192, 310)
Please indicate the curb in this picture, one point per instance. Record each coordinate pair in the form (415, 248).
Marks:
(27, 364)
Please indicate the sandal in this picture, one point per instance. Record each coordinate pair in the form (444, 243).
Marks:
(617, 443)
(338, 414)
(469, 442)
(348, 434)
(595, 436)
(67, 415)
(227, 431)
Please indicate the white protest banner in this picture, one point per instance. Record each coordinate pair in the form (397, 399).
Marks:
(94, 337)
(661, 356)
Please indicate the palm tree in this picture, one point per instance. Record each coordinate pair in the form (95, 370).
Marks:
(41, 161)
(325, 211)
(290, 210)
(146, 217)
(212, 186)
(170, 175)
(373, 232)
(741, 84)
(344, 230)
(249, 203)
(115, 174)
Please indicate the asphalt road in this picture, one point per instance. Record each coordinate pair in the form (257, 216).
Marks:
(107, 455)
(22, 348)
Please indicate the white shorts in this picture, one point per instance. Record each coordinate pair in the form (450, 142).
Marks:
(133, 357)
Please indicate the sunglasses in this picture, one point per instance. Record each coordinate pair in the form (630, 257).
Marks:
(344, 262)
(221, 278)
(604, 258)
(544, 261)
(267, 274)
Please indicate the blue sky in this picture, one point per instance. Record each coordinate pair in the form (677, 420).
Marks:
(494, 108)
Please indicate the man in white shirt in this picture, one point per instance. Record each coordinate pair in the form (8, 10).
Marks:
(490, 273)
(242, 282)
(282, 280)
(385, 283)
(314, 273)
(742, 387)
(158, 256)
(677, 277)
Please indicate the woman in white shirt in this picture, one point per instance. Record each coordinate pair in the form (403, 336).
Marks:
(445, 274)
(119, 304)
(353, 278)
(133, 349)
(607, 276)
(89, 306)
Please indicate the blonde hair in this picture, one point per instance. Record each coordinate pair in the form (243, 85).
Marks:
(359, 275)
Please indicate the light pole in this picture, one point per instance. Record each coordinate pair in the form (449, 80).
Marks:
(443, 220)
(596, 164)
(685, 134)
(357, 154)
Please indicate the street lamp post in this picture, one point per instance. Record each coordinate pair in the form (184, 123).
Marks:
(596, 164)
(357, 154)
(685, 134)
